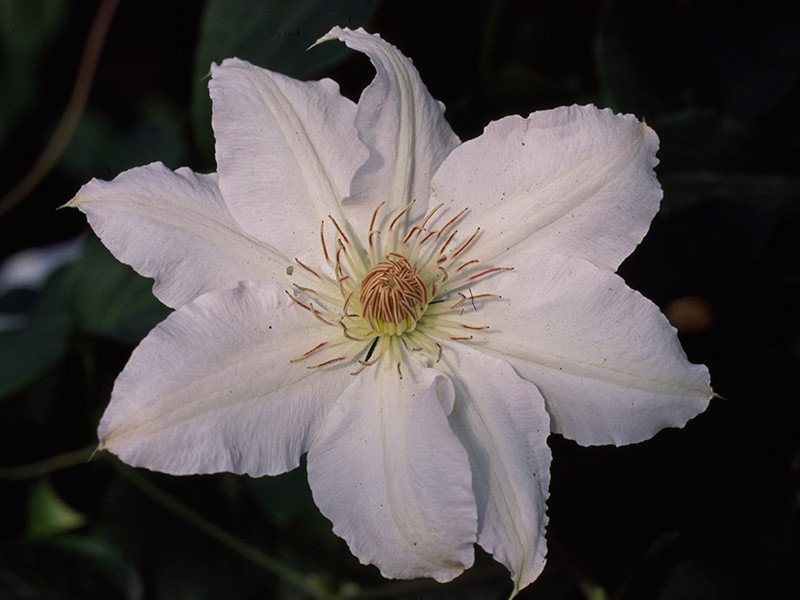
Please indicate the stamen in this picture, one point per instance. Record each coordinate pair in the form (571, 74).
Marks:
(450, 222)
(322, 239)
(374, 216)
(446, 276)
(465, 245)
(301, 304)
(319, 316)
(307, 290)
(489, 271)
(400, 214)
(429, 215)
(308, 353)
(307, 268)
(328, 362)
(339, 229)
(474, 327)
(466, 264)
(447, 243)
(346, 332)
(392, 292)
(427, 237)
(347, 302)
(415, 229)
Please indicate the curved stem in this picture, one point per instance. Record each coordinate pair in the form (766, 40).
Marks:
(48, 465)
(239, 546)
(72, 112)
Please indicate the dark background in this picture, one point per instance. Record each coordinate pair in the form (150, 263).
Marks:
(709, 511)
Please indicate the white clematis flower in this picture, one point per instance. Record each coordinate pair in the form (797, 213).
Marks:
(415, 313)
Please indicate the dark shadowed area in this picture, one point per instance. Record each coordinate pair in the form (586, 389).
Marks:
(711, 511)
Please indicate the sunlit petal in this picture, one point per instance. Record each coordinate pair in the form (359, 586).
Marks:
(213, 388)
(502, 421)
(608, 363)
(286, 152)
(401, 123)
(573, 180)
(174, 227)
(388, 471)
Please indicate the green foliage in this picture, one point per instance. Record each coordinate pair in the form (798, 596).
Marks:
(28, 352)
(67, 568)
(48, 514)
(25, 26)
(97, 296)
(104, 297)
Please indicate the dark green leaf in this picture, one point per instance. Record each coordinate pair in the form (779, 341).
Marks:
(27, 353)
(67, 568)
(25, 28)
(48, 514)
(105, 297)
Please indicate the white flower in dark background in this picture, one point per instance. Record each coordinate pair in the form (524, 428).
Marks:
(415, 313)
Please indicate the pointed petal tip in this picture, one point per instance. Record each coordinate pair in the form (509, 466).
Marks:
(343, 34)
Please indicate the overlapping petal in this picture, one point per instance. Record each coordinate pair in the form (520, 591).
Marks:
(212, 388)
(608, 363)
(286, 152)
(388, 471)
(174, 227)
(573, 180)
(502, 421)
(403, 126)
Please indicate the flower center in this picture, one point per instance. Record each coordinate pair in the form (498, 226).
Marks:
(392, 296)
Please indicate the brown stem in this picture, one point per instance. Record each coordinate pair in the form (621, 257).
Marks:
(72, 112)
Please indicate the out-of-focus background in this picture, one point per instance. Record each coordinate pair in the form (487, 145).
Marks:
(706, 512)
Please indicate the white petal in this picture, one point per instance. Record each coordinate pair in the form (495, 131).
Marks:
(388, 471)
(174, 227)
(573, 180)
(401, 123)
(502, 421)
(212, 387)
(608, 363)
(286, 152)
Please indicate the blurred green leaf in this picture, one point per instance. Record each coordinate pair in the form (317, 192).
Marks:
(104, 148)
(178, 560)
(67, 568)
(27, 353)
(25, 28)
(48, 514)
(105, 297)
(270, 34)
(643, 69)
(286, 499)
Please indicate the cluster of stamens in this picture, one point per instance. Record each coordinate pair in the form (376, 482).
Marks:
(409, 287)
(393, 296)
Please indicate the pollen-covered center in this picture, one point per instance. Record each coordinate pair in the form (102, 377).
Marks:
(393, 296)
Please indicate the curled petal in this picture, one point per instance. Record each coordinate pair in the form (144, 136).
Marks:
(401, 123)
(574, 180)
(388, 471)
(607, 362)
(212, 388)
(501, 420)
(174, 227)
